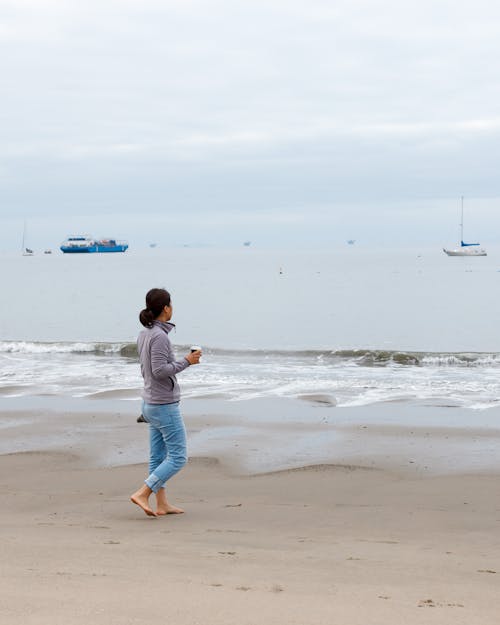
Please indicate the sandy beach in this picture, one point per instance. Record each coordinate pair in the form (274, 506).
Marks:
(336, 542)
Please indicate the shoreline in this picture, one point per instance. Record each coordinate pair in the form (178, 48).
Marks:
(264, 435)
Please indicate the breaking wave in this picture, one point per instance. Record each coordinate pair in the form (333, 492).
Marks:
(36, 347)
(360, 357)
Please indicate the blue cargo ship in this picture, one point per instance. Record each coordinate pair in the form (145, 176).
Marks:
(83, 244)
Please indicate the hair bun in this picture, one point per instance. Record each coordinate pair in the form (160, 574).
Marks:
(146, 317)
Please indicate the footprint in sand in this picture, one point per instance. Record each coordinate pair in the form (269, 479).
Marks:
(426, 603)
(430, 603)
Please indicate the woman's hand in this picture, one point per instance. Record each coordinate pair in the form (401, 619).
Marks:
(194, 357)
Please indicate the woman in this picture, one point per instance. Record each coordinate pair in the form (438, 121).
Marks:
(161, 402)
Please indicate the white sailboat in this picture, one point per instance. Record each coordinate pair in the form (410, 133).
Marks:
(26, 251)
(465, 249)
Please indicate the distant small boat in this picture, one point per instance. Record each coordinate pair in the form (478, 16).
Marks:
(351, 242)
(47, 252)
(84, 244)
(465, 249)
(152, 245)
(247, 243)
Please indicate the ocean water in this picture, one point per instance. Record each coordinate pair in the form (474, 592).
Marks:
(350, 327)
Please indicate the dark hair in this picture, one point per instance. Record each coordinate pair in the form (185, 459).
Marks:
(156, 300)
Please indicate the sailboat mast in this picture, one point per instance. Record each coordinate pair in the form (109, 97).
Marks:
(462, 222)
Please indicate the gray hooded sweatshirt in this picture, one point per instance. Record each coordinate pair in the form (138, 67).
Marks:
(158, 364)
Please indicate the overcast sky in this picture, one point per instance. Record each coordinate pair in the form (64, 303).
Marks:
(217, 121)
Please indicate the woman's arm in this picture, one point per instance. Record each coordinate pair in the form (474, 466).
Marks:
(160, 367)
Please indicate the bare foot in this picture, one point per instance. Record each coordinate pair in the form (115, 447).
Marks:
(142, 500)
(168, 509)
(163, 506)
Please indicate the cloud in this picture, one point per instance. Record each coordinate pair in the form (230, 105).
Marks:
(267, 103)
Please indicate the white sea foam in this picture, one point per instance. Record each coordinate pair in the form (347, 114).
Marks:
(79, 370)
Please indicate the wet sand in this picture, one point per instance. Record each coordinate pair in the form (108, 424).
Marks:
(264, 435)
(341, 542)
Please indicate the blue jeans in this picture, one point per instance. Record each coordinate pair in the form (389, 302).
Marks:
(167, 439)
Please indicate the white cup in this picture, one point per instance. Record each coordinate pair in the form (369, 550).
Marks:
(195, 348)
